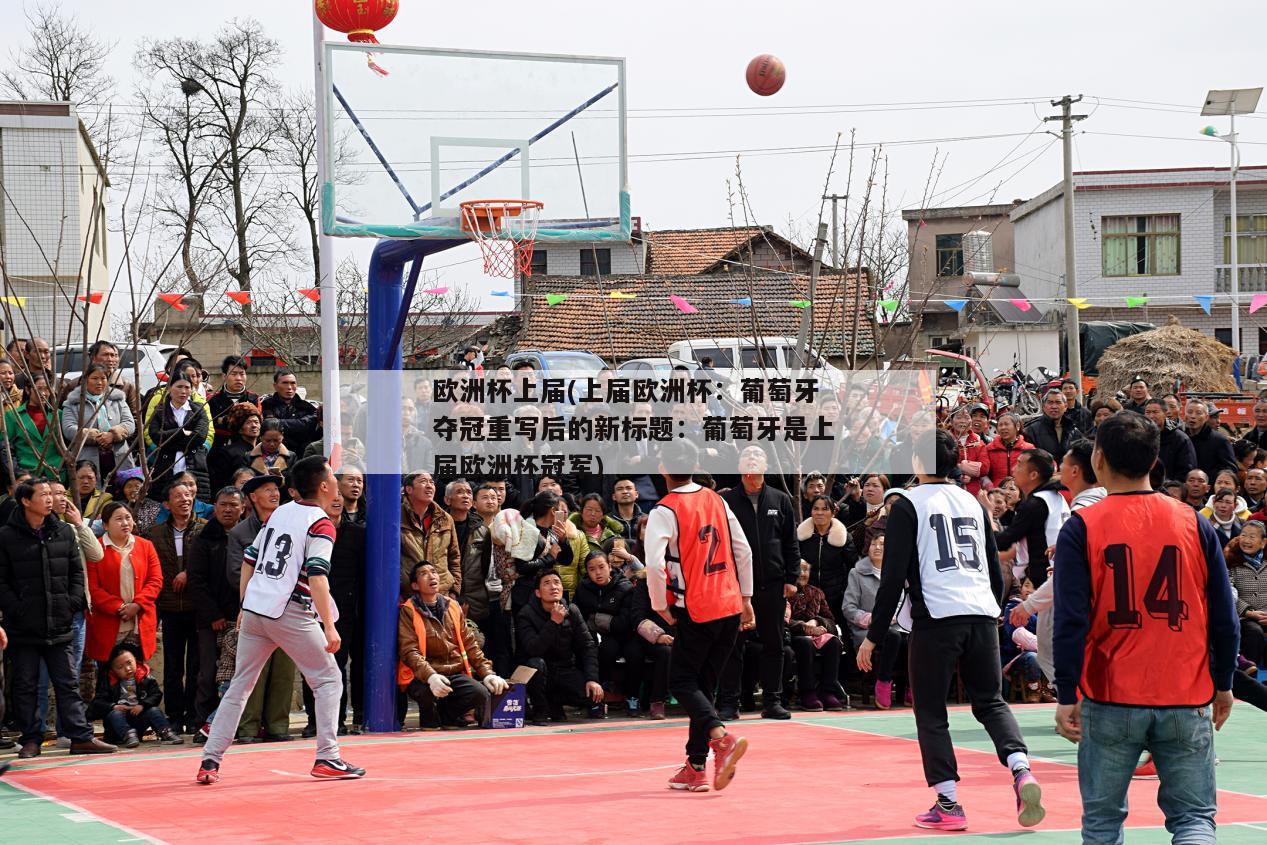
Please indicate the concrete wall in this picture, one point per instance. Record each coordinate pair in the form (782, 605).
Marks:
(564, 259)
(996, 349)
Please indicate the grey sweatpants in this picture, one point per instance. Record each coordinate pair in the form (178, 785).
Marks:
(298, 633)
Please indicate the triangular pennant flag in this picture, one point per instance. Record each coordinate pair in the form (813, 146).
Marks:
(241, 297)
(1259, 300)
(312, 293)
(799, 303)
(745, 301)
(682, 305)
(1204, 300)
(94, 298)
(1021, 303)
(555, 298)
(1079, 302)
(502, 293)
(957, 304)
(889, 305)
(174, 300)
(620, 294)
(19, 301)
(1136, 301)
(436, 291)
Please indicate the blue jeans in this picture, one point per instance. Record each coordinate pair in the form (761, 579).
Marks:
(80, 629)
(1182, 744)
(117, 723)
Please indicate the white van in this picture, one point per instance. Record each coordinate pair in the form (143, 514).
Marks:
(730, 354)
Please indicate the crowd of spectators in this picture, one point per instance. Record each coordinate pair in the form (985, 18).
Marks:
(130, 537)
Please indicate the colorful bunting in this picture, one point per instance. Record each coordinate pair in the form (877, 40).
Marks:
(1136, 301)
(745, 301)
(94, 298)
(682, 305)
(1259, 300)
(800, 303)
(1204, 300)
(620, 294)
(241, 297)
(889, 305)
(502, 293)
(555, 298)
(436, 291)
(312, 293)
(957, 304)
(19, 301)
(1021, 304)
(174, 300)
(1079, 302)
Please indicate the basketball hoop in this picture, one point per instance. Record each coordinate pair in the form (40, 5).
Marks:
(505, 231)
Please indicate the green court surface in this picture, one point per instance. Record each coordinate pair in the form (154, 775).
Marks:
(824, 778)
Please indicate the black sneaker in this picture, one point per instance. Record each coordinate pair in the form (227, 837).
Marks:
(598, 711)
(776, 711)
(727, 714)
(309, 731)
(335, 770)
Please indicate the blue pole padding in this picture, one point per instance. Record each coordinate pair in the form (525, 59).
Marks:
(382, 477)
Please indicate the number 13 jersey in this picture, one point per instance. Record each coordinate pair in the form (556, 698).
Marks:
(296, 542)
(1148, 643)
(950, 541)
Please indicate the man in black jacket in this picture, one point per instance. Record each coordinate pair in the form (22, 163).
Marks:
(41, 589)
(1177, 454)
(1213, 448)
(215, 600)
(1052, 432)
(769, 525)
(1258, 434)
(301, 423)
(1076, 414)
(553, 639)
(232, 391)
(1030, 526)
(1139, 395)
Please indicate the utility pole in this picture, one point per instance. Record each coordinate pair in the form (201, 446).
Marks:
(1072, 320)
(835, 228)
(807, 314)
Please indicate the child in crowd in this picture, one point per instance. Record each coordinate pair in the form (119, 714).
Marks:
(127, 700)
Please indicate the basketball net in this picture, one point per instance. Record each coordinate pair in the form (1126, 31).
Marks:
(505, 231)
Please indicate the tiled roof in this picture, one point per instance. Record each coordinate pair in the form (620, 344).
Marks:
(684, 252)
(645, 325)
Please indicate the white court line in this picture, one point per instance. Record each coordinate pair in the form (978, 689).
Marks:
(139, 836)
(496, 777)
(1002, 833)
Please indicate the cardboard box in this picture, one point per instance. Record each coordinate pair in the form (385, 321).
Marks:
(510, 709)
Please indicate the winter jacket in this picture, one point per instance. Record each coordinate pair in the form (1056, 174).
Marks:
(155, 399)
(220, 403)
(809, 605)
(1042, 433)
(240, 536)
(638, 615)
(42, 583)
(226, 458)
(770, 529)
(570, 562)
(347, 570)
(208, 588)
(1213, 451)
(972, 451)
(108, 414)
(444, 654)
(1177, 454)
(32, 449)
(116, 380)
(609, 528)
(163, 536)
(864, 583)
(610, 600)
(438, 543)
(107, 695)
(1249, 579)
(260, 465)
(829, 557)
(564, 644)
(301, 424)
(1001, 458)
(628, 527)
(171, 438)
(105, 591)
(477, 557)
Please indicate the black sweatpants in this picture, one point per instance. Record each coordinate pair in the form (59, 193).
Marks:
(742, 671)
(180, 668)
(553, 686)
(820, 679)
(1253, 643)
(498, 644)
(610, 649)
(207, 698)
(700, 651)
(935, 652)
(468, 694)
(769, 606)
(65, 679)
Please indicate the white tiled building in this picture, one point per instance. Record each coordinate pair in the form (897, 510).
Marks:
(1164, 234)
(52, 224)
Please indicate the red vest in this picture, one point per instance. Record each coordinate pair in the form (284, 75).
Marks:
(704, 572)
(1148, 645)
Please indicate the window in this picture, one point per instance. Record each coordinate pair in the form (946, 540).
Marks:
(1251, 245)
(538, 267)
(950, 255)
(752, 357)
(1223, 336)
(596, 262)
(1143, 245)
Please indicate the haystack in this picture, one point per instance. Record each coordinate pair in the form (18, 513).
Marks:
(1165, 355)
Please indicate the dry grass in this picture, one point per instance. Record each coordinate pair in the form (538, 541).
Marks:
(1165, 355)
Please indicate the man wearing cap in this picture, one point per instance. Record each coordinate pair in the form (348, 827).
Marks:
(1213, 448)
(1138, 395)
(980, 413)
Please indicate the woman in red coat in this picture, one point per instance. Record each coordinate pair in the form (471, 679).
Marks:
(1004, 450)
(971, 450)
(124, 585)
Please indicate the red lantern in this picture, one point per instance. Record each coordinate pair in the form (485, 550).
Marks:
(359, 19)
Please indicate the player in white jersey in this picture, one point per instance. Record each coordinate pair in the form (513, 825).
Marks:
(939, 548)
(286, 604)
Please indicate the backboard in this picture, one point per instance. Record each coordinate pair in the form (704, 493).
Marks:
(441, 127)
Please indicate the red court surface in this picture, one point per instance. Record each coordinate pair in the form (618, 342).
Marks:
(533, 787)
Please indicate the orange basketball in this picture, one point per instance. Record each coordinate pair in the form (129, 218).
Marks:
(765, 74)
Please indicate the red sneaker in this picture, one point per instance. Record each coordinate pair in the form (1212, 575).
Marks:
(1146, 769)
(689, 779)
(335, 770)
(208, 772)
(726, 753)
